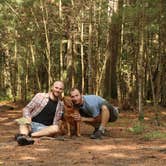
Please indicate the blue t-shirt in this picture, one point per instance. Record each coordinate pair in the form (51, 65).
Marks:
(92, 105)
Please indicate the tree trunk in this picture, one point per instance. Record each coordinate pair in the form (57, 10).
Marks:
(82, 53)
(61, 45)
(47, 49)
(37, 80)
(140, 63)
(113, 44)
(90, 69)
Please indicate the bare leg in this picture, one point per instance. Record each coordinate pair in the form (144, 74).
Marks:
(68, 129)
(78, 129)
(24, 129)
(101, 120)
(22, 138)
(104, 118)
(105, 115)
(48, 131)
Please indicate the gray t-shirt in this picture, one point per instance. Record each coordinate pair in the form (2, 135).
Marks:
(92, 105)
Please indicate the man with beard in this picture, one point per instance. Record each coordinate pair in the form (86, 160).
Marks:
(41, 115)
(94, 110)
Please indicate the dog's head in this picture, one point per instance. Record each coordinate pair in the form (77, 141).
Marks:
(68, 104)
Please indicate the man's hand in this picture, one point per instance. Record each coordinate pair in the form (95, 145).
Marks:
(29, 120)
(23, 121)
(77, 117)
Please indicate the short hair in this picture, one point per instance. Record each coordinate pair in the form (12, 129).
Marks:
(58, 82)
(75, 88)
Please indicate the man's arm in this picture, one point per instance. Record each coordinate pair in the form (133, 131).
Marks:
(87, 119)
(30, 106)
(91, 119)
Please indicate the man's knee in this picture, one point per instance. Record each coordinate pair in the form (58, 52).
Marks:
(54, 128)
(104, 108)
(105, 111)
(24, 129)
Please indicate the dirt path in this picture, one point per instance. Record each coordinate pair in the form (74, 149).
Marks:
(120, 149)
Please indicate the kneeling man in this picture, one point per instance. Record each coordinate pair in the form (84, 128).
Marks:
(93, 110)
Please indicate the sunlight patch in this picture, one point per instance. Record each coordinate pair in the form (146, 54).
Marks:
(146, 118)
(42, 150)
(28, 158)
(3, 119)
(100, 148)
(1, 162)
(164, 113)
(122, 155)
(108, 147)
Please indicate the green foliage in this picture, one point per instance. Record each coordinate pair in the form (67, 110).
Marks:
(154, 135)
(5, 95)
(19, 1)
(2, 1)
(141, 117)
(138, 128)
(22, 26)
(66, 2)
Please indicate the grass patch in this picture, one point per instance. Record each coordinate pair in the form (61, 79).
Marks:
(154, 135)
(138, 128)
(7, 98)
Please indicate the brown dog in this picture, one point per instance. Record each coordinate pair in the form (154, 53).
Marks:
(68, 116)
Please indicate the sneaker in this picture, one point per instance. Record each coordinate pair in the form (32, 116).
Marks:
(24, 140)
(107, 133)
(18, 135)
(96, 135)
(117, 109)
(96, 129)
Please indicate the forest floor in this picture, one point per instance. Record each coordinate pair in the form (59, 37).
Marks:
(128, 144)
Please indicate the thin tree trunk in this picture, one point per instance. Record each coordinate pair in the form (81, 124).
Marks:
(153, 94)
(47, 50)
(82, 53)
(7, 75)
(15, 75)
(140, 73)
(90, 74)
(61, 44)
(98, 57)
(119, 94)
(37, 80)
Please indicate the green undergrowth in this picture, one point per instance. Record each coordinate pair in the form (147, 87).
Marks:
(138, 128)
(146, 132)
(154, 135)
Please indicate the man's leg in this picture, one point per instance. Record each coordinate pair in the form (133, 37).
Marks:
(104, 118)
(38, 130)
(23, 137)
(25, 132)
(47, 131)
(24, 129)
(105, 115)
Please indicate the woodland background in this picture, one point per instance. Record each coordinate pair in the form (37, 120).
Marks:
(112, 48)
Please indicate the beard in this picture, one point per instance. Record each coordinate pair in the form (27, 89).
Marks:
(55, 95)
(78, 106)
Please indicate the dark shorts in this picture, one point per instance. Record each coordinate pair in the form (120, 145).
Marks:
(113, 112)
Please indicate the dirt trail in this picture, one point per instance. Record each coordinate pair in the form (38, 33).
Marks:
(121, 148)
